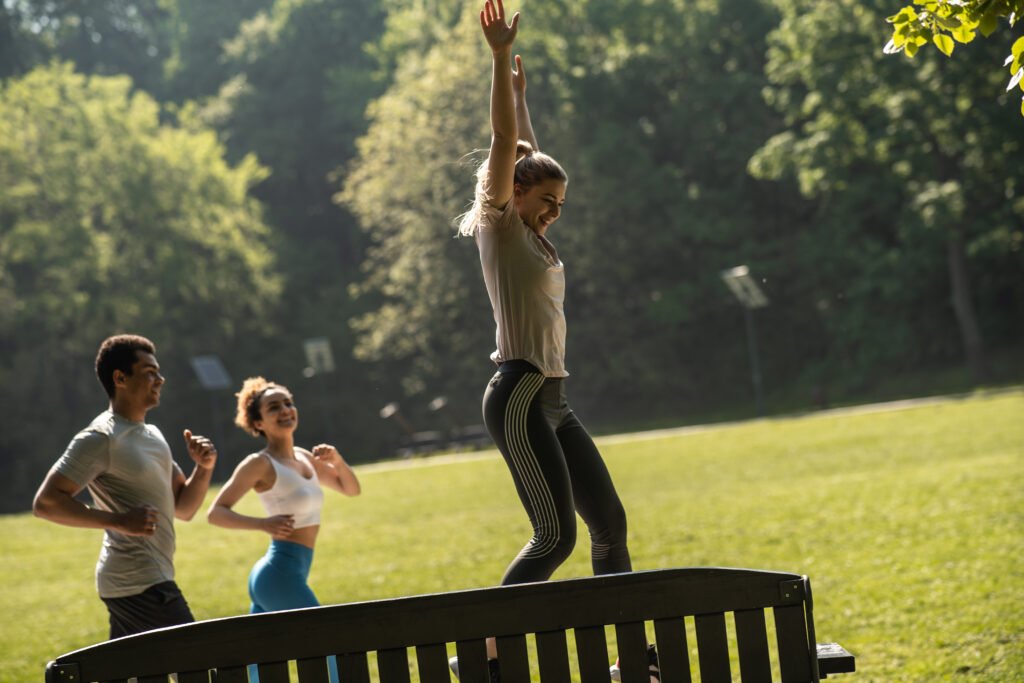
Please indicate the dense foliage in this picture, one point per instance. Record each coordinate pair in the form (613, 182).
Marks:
(236, 178)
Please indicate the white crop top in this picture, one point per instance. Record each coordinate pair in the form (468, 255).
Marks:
(293, 494)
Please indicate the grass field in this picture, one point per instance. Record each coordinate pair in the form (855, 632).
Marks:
(910, 523)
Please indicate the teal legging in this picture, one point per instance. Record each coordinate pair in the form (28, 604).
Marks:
(278, 582)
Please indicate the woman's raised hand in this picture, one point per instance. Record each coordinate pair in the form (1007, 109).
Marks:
(499, 35)
(519, 78)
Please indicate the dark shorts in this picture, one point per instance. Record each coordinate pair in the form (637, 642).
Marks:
(156, 607)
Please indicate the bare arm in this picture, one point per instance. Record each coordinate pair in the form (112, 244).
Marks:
(190, 493)
(504, 133)
(250, 472)
(333, 471)
(523, 123)
(55, 502)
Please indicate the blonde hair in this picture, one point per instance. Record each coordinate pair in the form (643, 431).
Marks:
(249, 396)
(532, 167)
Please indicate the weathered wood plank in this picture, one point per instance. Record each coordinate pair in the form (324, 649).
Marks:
(514, 659)
(194, 677)
(311, 670)
(713, 648)
(352, 668)
(632, 653)
(432, 663)
(673, 652)
(472, 656)
(393, 665)
(553, 657)
(274, 672)
(592, 654)
(235, 674)
(752, 642)
(794, 652)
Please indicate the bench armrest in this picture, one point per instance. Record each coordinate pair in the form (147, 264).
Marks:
(834, 659)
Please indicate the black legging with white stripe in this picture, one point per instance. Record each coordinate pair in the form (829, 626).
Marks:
(557, 470)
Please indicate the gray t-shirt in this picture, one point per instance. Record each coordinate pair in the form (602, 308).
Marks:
(126, 464)
(526, 285)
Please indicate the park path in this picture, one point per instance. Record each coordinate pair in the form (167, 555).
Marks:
(612, 439)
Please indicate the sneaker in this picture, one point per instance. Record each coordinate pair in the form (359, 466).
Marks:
(492, 668)
(652, 666)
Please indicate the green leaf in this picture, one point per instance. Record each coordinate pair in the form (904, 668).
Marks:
(1022, 106)
(964, 34)
(987, 25)
(1018, 48)
(911, 49)
(1016, 79)
(945, 44)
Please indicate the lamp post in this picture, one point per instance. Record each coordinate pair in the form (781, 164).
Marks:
(213, 377)
(750, 296)
(320, 361)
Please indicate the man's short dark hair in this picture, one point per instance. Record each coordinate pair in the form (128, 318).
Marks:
(119, 353)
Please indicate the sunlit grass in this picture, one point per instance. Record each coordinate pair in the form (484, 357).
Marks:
(910, 524)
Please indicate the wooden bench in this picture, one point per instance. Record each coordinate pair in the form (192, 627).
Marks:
(408, 637)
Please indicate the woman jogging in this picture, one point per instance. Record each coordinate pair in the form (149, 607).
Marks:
(288, 481)
(554, 463)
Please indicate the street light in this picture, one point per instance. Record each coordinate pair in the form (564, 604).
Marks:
(750, 296)
(319, 361)
(213, 377)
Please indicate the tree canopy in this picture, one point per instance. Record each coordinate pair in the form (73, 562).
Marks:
(944, 23)
(239, 178)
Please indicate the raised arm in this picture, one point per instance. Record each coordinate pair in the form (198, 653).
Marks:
(504, 132)
(525, 127)
(333, 471)
(190, 493)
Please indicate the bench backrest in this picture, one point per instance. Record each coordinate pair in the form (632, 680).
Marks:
(419, 629)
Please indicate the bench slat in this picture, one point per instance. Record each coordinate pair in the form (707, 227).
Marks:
(194, 677)
(393, 665)
(713, 648)
(514, 658)
(673, 652)
(311, 670)
(791, 634)
(553, 657)
(353, 667)
(274, 672)
(752, 642)
(472, 660)
(234, 674)
(631, 639)
(592, 654)
(432, 663)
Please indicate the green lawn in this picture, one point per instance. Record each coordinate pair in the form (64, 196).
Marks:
(909, 522)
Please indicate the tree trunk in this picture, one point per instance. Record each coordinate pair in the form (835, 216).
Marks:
(963, 306)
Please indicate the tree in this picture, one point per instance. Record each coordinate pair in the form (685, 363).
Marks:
(917, 187)
(654, 127)
(112, 221)
(945, 23)
(108, 37)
